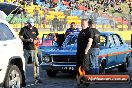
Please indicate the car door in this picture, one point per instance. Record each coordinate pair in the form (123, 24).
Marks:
(8, 44)
(121, 48)
(2, 48)
(111, 59)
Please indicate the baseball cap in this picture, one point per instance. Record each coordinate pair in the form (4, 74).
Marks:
(31, 21)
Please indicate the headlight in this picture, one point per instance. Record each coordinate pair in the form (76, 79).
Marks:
(46, 59)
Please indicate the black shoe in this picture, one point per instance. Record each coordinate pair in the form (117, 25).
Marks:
(38, 81)
(24, 84)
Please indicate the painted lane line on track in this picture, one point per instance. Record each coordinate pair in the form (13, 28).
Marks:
(30, 85)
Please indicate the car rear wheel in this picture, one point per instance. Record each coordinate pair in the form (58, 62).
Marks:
(13, 77)
(123, 67)
(128, 61)
(51, 73)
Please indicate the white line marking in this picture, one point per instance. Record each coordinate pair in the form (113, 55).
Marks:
(30, 85)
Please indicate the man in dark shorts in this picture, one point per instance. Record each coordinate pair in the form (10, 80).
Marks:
(86, 43)
(84, 40)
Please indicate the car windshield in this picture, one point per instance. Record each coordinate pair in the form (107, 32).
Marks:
(71, 39)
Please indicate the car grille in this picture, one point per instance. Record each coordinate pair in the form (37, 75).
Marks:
(64, 59)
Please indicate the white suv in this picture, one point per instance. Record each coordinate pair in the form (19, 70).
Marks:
(12, 61)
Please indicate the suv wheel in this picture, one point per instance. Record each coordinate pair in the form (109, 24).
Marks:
(13, 77)
(51, 73)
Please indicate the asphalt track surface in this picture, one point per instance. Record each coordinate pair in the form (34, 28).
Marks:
(65, 80)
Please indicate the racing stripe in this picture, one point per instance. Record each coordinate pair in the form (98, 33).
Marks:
(116, 53)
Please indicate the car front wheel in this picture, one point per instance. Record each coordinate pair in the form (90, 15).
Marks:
(13, 77)
(51, 73)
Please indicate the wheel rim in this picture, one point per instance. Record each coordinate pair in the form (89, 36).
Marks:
(14, 79)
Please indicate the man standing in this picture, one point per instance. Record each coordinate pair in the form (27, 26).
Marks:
(29, 35)
(86, 44)
(55, 24)
(84, 40)
(94, 67)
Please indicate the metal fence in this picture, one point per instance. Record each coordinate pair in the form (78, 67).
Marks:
(43, 24)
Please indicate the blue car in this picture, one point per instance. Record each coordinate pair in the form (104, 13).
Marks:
(114, 52)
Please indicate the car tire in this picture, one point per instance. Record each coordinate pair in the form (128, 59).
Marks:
(13, 77)
(128, 61)
(123, 67)
(102, 68)
(51, 73)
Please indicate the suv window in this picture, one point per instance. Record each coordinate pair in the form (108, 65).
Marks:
(117, 40)
(5, 32)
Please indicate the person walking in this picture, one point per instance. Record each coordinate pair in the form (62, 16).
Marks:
(29, 35)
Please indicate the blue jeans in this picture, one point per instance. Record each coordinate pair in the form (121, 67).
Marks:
(33, 54)
(94, 67)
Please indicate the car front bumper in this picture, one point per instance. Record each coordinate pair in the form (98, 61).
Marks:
(58, 66)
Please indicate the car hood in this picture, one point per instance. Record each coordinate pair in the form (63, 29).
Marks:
(68, 50)
(47, 48)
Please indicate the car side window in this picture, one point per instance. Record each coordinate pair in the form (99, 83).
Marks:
(117, 40)
(5, 32)
(103, 41)
(111, 41)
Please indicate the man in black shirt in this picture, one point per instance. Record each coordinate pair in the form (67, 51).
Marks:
(85, 42)
(94, 67)
(84, 39)
(29, 35)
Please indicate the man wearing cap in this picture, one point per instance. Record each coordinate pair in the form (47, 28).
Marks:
(29, 35)
(87, 47)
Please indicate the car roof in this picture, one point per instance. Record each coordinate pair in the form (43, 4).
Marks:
(107, 33)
